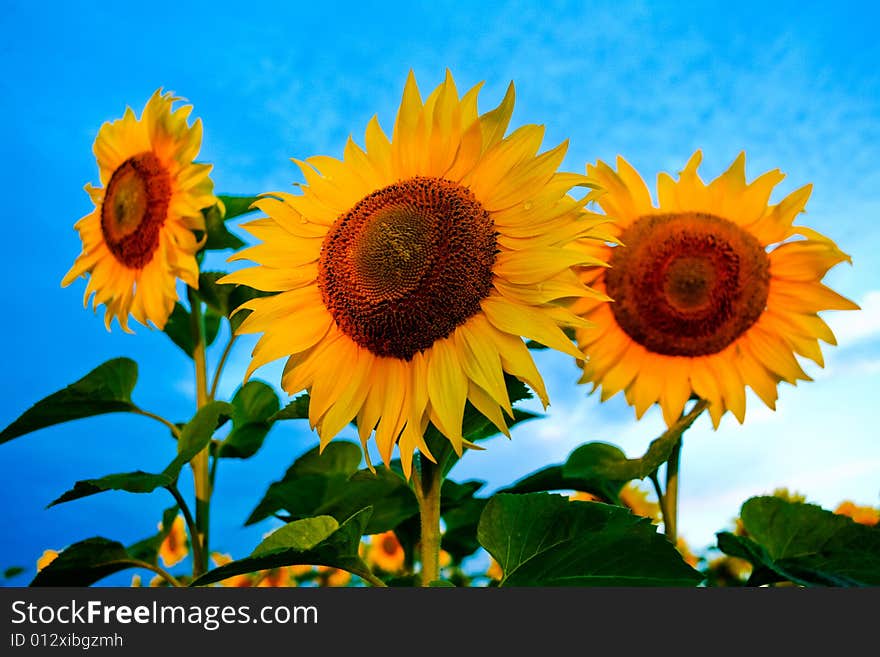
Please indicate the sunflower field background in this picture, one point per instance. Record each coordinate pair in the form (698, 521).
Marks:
(669, 87)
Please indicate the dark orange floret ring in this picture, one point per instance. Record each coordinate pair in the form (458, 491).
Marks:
(134, 209)
(407, 264)
(687, 284)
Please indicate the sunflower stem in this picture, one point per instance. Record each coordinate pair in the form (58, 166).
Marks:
(200, 463)
(428, 482)
(669, 499)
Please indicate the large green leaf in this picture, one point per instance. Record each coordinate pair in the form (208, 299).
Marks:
(805, 544)
(552, 478)
(179, 328)
(540, 539)
(461, 513)
(297, 409)
(84, 563)
(194, 437)
(309, 482)
(595, 461)
(237, 205)
(218, 236)
(106, 389)
(330, 484)
(252, 406)
(319, 541)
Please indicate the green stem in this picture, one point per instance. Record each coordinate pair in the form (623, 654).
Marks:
(669, 500)
(671, 495)
(428, 481)
(164, 574)
(372, 580)
(200, 463)
(190, 524)
(661, 500)
(174, 430)
(223, 358)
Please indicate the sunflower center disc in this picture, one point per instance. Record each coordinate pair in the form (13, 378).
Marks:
(407, 264)
(134, 209)
(687, 284)
(389, 544)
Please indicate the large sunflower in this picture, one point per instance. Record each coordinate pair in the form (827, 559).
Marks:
(408, 271)
(713, 290)
(139, 238)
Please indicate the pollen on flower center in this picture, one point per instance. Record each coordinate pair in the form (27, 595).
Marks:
(407, 264)
(134, 209)
(687, 284)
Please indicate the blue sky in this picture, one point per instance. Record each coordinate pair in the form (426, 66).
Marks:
(796, 86)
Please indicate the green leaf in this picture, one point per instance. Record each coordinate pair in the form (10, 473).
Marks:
(12, 571)
(540, 539)
(179, 328)
(194, 437)
(131, 482)
(441, 583)
(219, 237)
(298, 409)
(330, 484)
(300, 535)
(196, 434)
(317, 541)
(237, 205)
(461, 512)
(215, 295)
(309, 482)
(84, 563)
(805, 544)
(252, 406)
(106, 389)
(552, 478)
(603, 461)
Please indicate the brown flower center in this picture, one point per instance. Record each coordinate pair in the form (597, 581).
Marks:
(687, 284)
(134, 209)
(407, 264)
(390, 544)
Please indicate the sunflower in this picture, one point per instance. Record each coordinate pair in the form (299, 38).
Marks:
(139, 238)
(386, 552)
(174, 547)
(409, 271)
(713, 290)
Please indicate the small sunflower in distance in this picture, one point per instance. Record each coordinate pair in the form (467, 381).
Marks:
(713, 291)
(139, 238)
(409, 271)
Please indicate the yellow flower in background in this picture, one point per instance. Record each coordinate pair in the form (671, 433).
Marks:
(333, 576)
(174, 547)
(386, 552)
(639, 503)
(864, 515)
(714, 290)
(139, 238)
(444, 559)
(408, 272)
(136, 581)
(46, 558)
(276, 577)
(494, 571)
(728, 571)
(236, 581)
